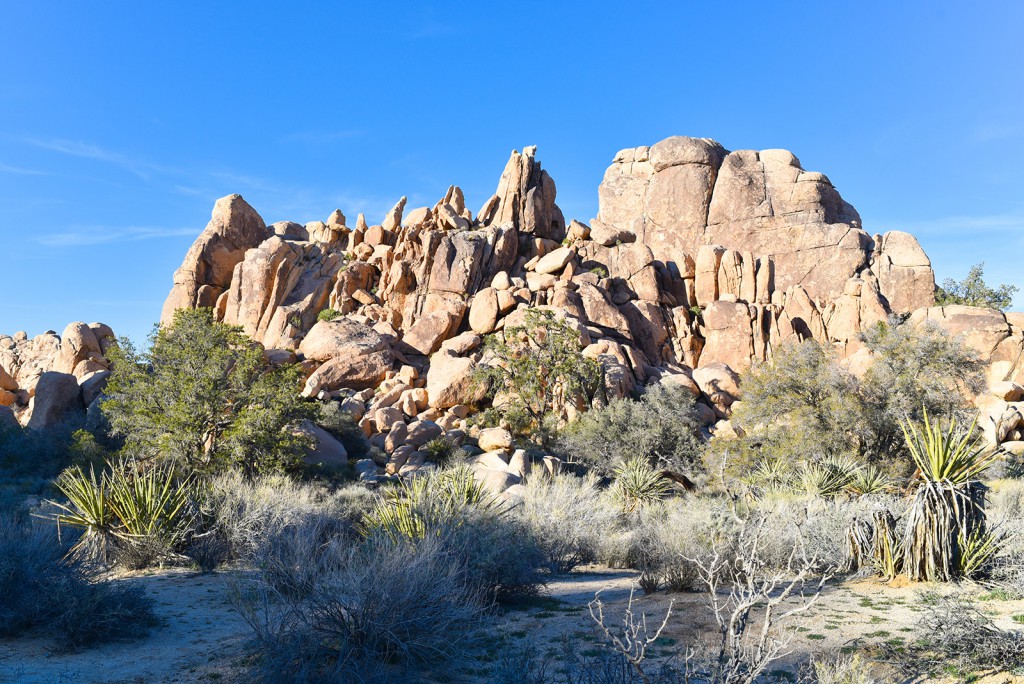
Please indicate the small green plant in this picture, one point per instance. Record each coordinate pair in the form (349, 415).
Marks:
(328, 314)
(600, 271)
(637, 484)
(443, 451)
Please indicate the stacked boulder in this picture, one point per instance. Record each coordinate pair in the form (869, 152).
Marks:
(700, 263)
(49, 379)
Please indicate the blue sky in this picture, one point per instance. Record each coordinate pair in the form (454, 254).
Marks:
(121, 123)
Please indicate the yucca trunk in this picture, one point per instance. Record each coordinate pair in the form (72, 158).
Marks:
(942, 516)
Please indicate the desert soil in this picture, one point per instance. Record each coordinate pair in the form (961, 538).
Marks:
(201, 639)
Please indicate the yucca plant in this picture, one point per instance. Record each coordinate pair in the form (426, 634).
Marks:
(770, 476)
(827, 478)
(887, 552)
(948, 508)
(869, 480)
(150, 505)
(638, 484)
(87, 509)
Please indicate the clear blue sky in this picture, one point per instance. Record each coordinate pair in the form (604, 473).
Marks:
(121, 123)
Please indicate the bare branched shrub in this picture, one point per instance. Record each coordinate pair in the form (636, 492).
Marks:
(633, 637)
(743, 589)
(952, 632)
(841, 670)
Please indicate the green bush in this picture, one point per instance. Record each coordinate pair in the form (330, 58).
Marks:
(328, 314)
(345, 428)
(660, 428)
(205, 397)
(804, 407)
(48, 591)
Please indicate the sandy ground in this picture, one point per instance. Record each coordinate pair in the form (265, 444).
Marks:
(200, 638)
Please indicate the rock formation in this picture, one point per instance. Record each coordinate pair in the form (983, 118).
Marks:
(51, 378)
(701, 262)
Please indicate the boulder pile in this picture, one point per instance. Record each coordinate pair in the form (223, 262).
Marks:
(701, 261)
(47, 379)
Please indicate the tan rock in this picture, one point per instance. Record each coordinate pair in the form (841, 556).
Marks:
(234, 227)
(450, 381)
(555, 261)
(495, 439)
(57, 397)
(483, 312)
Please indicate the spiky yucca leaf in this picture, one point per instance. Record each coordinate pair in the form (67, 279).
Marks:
(955, 456)
(870, 480)
(147, 502)
(827, 478)
(979, 549)
(637, 484)
(87, 509)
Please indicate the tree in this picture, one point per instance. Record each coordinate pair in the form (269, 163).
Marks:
(916, 369)
(536, 370)
(804, 406)
(973, 291)
(205, 397)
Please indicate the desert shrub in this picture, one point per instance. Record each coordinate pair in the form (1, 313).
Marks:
(342, 425)
(240, 514)
(373, 609)
(952, 632)
(804, 407)
(569, 517)
(538, 368)
(916, 370)
(328, 314)
(45, 589)
(30, 458)
(660, 428)
(841, 670)
(497, 550)
(974, 291)
(419, 508)
(205, 397)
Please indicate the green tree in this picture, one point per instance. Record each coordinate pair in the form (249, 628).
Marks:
(537, 370)
(915, 369)
(804, 406)
(973, 291)
(204, 396)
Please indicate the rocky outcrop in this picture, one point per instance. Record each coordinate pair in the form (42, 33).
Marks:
(700, 263)
(682, 193)
(74, 365)
(209, 266)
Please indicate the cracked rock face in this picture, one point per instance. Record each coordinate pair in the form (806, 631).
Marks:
(682, 193)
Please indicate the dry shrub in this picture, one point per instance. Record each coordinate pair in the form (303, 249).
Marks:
(569, 517)
(358, 611)
(43, 588)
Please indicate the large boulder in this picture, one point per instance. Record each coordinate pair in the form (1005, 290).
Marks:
(686, 192)
(57, 398)
(450, 381)
(206, 271)
(354, 355)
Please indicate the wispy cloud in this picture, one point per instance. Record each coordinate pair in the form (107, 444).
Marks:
(19, 171)
(97, 235)
(74, 148)
(995, 132)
